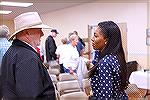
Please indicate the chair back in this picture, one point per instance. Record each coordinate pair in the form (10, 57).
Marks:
(68, 86)
(67, 77)
(74, 96)
(54, 78)
(86, 86)
(133, 91)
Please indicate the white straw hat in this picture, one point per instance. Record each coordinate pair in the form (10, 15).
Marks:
(26, 21)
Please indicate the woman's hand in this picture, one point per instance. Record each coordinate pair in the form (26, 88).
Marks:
(71, 71)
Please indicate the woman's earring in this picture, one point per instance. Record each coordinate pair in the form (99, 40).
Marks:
(105, 42)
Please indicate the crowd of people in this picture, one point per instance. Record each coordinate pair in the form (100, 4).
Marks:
(23, 74)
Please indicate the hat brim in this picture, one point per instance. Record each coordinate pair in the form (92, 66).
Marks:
(43, 26)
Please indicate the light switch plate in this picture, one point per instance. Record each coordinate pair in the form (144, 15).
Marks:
(148, 32)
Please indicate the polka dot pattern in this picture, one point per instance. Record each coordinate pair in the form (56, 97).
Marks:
(106, 81)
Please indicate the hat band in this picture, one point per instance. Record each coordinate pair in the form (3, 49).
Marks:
(28, 26)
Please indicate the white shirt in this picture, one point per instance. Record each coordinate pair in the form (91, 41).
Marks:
(71, 57)
(60, 51)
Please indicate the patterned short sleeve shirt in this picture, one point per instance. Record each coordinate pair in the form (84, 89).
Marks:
(4, 45)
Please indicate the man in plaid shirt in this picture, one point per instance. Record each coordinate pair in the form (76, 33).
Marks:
(4, 45)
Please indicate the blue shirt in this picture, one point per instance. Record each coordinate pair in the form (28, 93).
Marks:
(106, 82)
(4, 45)
(79, 47)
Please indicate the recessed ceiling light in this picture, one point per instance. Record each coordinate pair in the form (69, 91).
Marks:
(5, 12)
(19, 4)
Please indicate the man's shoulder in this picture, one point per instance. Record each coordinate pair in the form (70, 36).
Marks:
(18, 53)
(49, 38)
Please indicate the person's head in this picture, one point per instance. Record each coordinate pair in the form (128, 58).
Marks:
(75, 32)
(4, 31)
(73, 40)
(64, 40)
(27, 29)
(54, 33)
(69, 34)
(107, 38)
(31, 36)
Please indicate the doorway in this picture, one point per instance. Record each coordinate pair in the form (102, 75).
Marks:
(123, 28)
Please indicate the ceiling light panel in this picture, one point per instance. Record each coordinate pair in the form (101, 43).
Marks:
(18, 4)
(5, 12)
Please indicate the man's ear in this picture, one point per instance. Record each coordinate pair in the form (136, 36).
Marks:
(27, 31)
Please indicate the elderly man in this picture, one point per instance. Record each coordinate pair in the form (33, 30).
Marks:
(23, 74)
(50, 47)
(71, 59)
(4, 45)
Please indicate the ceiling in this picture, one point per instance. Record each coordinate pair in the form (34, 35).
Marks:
(44, 6)
(40, 6)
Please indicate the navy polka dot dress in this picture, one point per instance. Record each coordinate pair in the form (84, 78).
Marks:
(106, 81)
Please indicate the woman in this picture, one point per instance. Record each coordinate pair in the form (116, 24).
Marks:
(108, 76)
(71, 57)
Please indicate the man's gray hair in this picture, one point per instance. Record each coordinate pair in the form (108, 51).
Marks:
(4, 31)
(73, 37)
(64, 40)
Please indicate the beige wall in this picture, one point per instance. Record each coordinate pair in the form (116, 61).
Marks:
(8, 23)
(141, 58)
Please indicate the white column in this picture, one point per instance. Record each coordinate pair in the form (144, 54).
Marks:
(148, 27)
(148, 46)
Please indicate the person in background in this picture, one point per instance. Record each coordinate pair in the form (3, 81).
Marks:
(50, 47)
(75, 32)
(82, 71)
(80, 45)
(69, 34)
(108, 75)
(71, 58)
(60, 51)
(4, 45)
(23, 74)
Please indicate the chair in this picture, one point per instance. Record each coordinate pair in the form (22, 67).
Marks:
(74, 96)
(131, 67)
(67, 77)
(68, 86)
(133, 92)
(86, 86)
(54, 78)
(54, 71)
